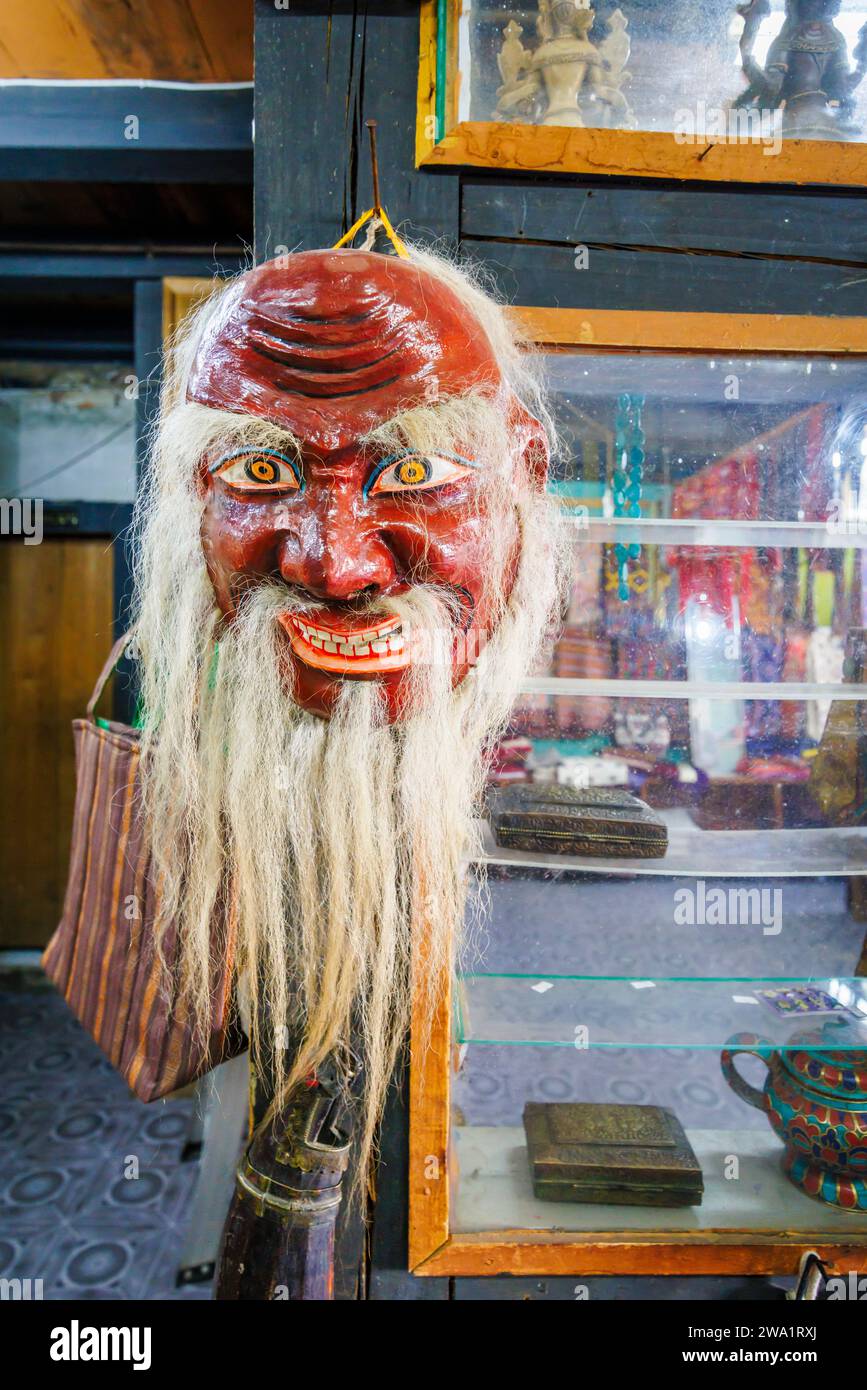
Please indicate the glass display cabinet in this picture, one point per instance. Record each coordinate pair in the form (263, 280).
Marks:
(763, 91)
(713, 476)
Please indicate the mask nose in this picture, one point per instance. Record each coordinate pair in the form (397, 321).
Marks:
(333, 559)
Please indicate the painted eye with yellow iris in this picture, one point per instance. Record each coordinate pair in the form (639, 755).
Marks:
(415, 472)
(259, 470)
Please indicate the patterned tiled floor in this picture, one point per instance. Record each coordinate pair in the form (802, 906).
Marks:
(94, 1198)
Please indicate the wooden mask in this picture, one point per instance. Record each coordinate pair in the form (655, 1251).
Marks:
(329, 346)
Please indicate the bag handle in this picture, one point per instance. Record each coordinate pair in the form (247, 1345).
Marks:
(111, 662)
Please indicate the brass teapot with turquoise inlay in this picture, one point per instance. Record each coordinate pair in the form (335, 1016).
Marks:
(815, 1097)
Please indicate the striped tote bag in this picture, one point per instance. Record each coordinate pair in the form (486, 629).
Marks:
(102, 957)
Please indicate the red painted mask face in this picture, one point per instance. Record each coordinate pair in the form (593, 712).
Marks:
(328, 346)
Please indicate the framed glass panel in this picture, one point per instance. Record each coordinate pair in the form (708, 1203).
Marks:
(648, 87)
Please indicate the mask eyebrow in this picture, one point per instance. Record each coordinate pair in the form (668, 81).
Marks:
(468, 421)
(380, 467)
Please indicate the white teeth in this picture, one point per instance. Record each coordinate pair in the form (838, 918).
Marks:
(361, 640)
(367, 642)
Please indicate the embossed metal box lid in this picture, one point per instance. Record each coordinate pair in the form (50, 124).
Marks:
(594, 821)
(633, 1155)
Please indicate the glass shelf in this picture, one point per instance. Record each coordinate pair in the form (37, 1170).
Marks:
(761, 448)
(723, 533)
(717, 668)
(713, 656)
(693, 852)
(493, 1192)
(586, 1012)
(629, 689)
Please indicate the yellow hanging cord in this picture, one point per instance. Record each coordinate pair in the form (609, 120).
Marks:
(377, 212)
(378, 215)
(356, 227)
(392, 235)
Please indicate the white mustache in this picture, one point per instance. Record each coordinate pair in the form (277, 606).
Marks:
(414, 605)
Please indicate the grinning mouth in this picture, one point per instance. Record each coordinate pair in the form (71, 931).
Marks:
(359, 651)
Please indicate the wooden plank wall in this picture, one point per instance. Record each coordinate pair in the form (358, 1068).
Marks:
(321, 71)
(658, 246)
(57, 604)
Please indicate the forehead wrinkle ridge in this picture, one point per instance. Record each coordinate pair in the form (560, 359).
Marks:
(339, 373)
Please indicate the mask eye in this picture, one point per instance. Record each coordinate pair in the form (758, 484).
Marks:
(415, 472)
(259, 470)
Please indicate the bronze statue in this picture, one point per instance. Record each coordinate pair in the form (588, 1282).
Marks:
(807, 71)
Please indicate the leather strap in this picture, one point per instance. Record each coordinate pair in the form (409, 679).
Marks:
(111, 661)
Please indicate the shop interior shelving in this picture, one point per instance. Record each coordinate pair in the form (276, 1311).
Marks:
(693, 852)
(622, 1011)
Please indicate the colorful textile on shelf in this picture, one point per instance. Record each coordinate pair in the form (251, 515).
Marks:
(728, 488)
(582, 657)
(807, 444)
(793, 713)
(763, 658)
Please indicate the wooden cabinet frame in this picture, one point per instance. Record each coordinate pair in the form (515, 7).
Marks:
(433, 1248)
(181, 293)
(442, 140)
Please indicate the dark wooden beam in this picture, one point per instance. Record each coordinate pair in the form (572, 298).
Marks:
(126, 133)
(633, 276)
(148, 337)
(119, 265)
(738, 219)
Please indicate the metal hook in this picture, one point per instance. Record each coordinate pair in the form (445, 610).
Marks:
(374, 165)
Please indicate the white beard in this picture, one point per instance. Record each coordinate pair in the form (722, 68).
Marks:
(343, 839)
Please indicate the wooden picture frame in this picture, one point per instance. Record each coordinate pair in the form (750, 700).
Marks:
(443, 141)
(434, 1249)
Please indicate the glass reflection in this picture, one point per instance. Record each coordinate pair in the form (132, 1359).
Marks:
(764, 69)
